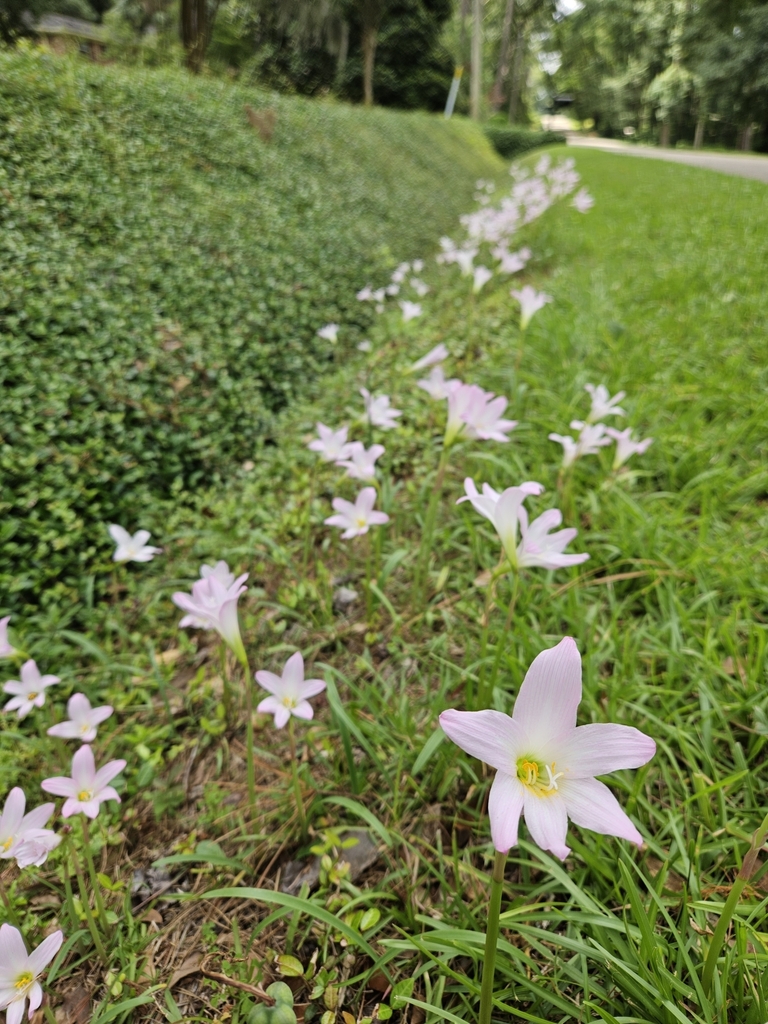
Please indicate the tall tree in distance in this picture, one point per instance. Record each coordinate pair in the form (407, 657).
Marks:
(196, 21)
(370, 14)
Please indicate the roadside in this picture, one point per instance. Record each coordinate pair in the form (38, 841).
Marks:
(743, 165)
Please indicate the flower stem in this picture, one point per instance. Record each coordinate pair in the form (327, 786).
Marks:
(748, 868)
(87, 906)
(491, 938)
(296, 783)
(520, 346)
(308, 519)
(368, 577)
(225, 687)
(425, 550)
(488, 698)
(250, 761)
(487, 606)
(92, 874)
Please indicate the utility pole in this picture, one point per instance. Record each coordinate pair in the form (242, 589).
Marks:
(476, 77)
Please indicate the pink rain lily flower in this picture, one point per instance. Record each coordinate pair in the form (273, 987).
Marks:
(20, 970)
(364, 346)
(6, 650)
(329, 332)
(400, 272)
(290, 692)
(83, 720)
(359, 462)
(212, 605)
(220, 571)
(23, 837)
(537, 548)
(480, 277)
(330, 444)
(602, 403)
(582, 201)
(420, 287)
(29, 692)
(435, 355)
(546, 764)
(626, 446)
(436, 385)
(410, 310)
(392, 289)
(132, 548)
(464, 259)
(355, 520)
(591, 439)
(417, 266)
(365, 294)
(531, 302)
(87, 789)
(474, 413)
(378, 411)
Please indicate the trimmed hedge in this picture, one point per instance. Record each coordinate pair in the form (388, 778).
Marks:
(163, 274)
(513, 142)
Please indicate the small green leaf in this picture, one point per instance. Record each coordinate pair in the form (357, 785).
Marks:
(289, 966)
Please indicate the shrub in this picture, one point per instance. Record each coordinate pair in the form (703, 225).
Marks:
(163, 273)
(513, 142)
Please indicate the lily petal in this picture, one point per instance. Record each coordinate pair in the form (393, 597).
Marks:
(547, 821)
(590, 804)
(491, 736)
(599, 749)
(547, 702)
(505, 805)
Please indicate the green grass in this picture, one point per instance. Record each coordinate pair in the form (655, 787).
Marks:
(657, 291)
(163, 275)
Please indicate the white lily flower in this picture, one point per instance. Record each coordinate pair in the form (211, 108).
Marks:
(290, 693)
(330, 444)
(20, 970)
(626, 446)
(29, 692)
(602, 403)
(531, 302)
(481, 277)
(378, 411)
(329, 332)
(83, 719)
(132, 548)
(23, 837)
(359, 462)
(6, 650)
(436, 385)
(582, 201)
(355, 520)
(410, 310)
(435, 355)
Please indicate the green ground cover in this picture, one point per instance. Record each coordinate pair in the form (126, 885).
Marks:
(655, 292)
(163, 274)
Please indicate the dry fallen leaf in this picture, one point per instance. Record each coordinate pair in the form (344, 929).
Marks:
(190, 966)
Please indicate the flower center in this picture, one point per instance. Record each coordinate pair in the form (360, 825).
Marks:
(85, 795)
(7, 844)
(84, 728)
(289, 702)
(361, 522)
(24, 980)
(32, 696)
(539, 777)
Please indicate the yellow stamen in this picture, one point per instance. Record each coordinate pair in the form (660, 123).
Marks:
(85, 795)
(32, 696)
(24, 980)
(538, 776)
(361, 522)
(289, 702)
(7, 844)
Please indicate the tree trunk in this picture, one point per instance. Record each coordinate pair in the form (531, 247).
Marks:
(503, 67)
(341, 59)
(664, 141)
(745, 141)
(698, 138)
(370, 38)
(195, 32)
(476, 69)
(514, 92)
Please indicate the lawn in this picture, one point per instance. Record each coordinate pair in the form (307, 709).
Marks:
(656, 291)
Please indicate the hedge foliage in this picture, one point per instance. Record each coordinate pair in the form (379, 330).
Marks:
(163, 273)
(512, 142)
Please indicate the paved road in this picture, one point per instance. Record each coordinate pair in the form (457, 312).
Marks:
(745, 166)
